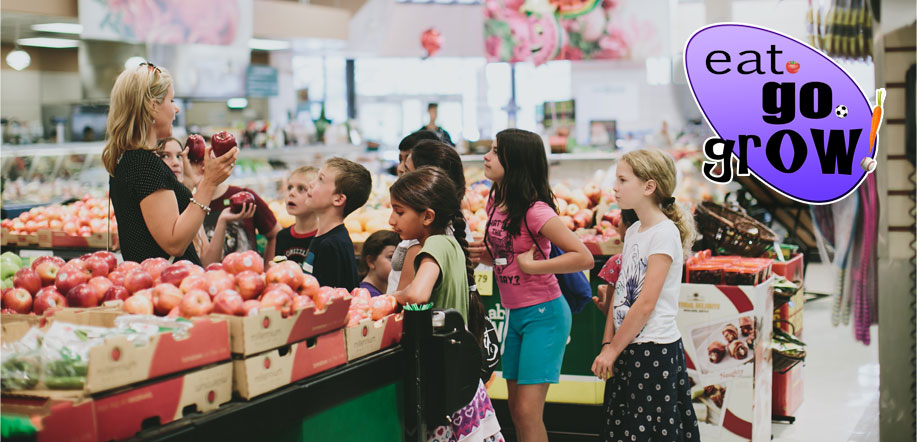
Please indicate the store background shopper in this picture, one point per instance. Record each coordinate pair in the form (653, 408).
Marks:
(521, 205)
(642, 356)
(151, 205)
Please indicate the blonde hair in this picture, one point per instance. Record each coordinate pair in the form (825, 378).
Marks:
(659, 166)
(130, 114)
(305, 171)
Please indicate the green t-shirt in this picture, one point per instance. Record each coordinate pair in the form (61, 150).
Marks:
(451, 289)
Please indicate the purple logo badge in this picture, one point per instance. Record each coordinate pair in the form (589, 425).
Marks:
(791, 115)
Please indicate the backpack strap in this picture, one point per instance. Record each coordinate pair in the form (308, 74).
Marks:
(534, 241)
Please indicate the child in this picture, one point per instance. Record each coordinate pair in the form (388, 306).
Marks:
(341, 187)
(612, 267)
(407, 247)
(293, 242)
(647, 393)
(376, 261)
(172, 153)
(522, 224)
(239, 235)
(424, 203)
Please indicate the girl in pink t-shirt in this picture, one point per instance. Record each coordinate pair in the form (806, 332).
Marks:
(522, 224)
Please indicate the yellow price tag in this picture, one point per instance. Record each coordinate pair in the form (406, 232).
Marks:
(484, 279)
(586, 272)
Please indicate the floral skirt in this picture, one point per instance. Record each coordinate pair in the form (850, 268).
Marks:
(476, 421)
(649, 396)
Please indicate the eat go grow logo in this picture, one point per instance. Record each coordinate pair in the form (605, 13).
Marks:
(789, 114)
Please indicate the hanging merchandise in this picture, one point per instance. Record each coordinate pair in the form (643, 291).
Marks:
(842, 29)
(432, 41)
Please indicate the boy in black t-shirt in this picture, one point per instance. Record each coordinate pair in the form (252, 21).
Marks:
(293, 242)
(341, 187)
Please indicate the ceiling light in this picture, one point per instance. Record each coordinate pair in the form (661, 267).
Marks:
(236, 103)
(59, 28)
(260, 44)
(43, 42)
(134, 62)
(18, 59)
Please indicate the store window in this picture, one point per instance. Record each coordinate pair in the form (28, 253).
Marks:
(326, 82)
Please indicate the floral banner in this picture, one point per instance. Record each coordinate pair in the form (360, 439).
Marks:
(209, 22)
(543, 30)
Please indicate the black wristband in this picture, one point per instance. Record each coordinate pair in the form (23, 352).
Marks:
(606, 343)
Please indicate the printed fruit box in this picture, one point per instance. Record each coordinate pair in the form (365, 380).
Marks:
(265, 372)
(269, 330)
(727, 332)
(57, 420)
(122, 414)
(95, 241)
(371, 336)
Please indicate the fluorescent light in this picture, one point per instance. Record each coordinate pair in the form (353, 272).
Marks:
(43, 42)
(268, 45)
(237, 103)
(18, 59)
(59, 28)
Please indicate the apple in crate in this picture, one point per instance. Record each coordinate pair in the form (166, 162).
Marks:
(323, 297)
(69, 277)
(310, 286)
(109, 258)
(250, 261)
(126, 266)
(251, 307)
(238, 201)
(228, 302)
(82, 296)
(302, 302)
(48, 298)
(47, 270)
(18, 300)
(138, 304)
(43, 259)
(222, 142)
(137, 280)
(278, 299)
(193, 282)
(250, 284)
(116, 292)
(174, 274)
(166, 297)
(27, 278)
(195, 303)
(155, 266)
(214, 266)
(116, 278)
(100, 286)
(215, 281)
(287, 272)
(196, 148)
(231, 262)
(96, 266)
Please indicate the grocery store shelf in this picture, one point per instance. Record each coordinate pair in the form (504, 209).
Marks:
(51, 149)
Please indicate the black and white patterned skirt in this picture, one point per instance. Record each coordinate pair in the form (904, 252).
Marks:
(649, 396)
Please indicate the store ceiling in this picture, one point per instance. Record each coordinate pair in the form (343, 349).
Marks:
(15, 25)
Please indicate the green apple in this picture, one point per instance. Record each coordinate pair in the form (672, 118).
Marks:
(9, 264)
(7, 283)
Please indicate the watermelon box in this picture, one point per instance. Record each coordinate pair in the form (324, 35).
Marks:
(370, 336)
(265, 372)
(269, 330)
(122, 414)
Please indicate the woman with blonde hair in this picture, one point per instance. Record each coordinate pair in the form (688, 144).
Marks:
(150, 203)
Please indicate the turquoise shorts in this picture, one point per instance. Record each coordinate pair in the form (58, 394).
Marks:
(536, 337)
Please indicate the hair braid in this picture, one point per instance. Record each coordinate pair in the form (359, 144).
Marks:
(476, 312)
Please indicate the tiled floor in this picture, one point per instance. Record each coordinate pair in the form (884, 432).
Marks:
(841, 383)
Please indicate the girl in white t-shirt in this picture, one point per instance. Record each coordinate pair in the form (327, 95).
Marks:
(647, 393)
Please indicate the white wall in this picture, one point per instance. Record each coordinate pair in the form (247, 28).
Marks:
(22, 93)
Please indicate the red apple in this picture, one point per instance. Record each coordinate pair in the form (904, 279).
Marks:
(323, 297)
(77, 263)
(147, 293)
(43, 259)
(109, 258)
(116, 292)
(138, 305)
(250, 284)
(116, 278)
(217, 280)
(69, 277)
(361, 293)
(174, 274)
(155, 266)
(166, 297)
(96, 266)
(222, 142)
(174, 313)
(185, 262)
(100, 286)
(19, 300)
(302, 303)
(228, 302)
(47, 271)
(127, 266)
(251, 307)
(383, 306)
(137, 280)
(288, 273)
(82, 296)
(27, 278)
(193, 282)
(310, 286)
(47, 298)
(215, 266)
(196, 148)
(231, 262)
(252, 261)
(276, 286)
(593, 192)
(238, 200)
(278, 299)
(195, 303)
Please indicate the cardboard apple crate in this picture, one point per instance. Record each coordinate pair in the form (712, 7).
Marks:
(791, 270)
(45, 238)
(122, 414)
(371, 336)
(265, 372)
(4, 236)
(27, 240)
(269, 330)
(704, 310)
(57, 420)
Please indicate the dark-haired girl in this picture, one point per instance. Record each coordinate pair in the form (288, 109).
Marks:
(424, 204)
(522, 224)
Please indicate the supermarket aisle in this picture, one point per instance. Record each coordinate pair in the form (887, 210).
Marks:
(841, 383)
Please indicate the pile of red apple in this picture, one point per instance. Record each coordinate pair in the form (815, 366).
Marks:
(364, 306)
(85, 217)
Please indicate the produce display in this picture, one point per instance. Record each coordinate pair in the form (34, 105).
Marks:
(81, 218)
(363, 306)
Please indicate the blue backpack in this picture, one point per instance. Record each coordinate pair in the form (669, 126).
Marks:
(574, 286)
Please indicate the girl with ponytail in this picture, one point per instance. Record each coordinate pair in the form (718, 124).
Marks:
(642, 356)
(522, 224)
(424, 204)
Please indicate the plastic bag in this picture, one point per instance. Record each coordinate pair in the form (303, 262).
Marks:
(20, 363)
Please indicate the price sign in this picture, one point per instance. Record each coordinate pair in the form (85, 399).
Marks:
(484, 279)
